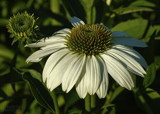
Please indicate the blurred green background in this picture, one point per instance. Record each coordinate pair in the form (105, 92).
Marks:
(21, 90)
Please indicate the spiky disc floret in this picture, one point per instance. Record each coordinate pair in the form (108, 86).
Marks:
(89, 39)
(22, 27)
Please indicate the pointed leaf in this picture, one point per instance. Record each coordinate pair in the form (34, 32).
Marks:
(150, 76)
(136, 27)
(122, 11)
(142, 3)
(40, 93)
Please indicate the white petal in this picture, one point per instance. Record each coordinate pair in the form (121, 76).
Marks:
(47, 41)
(132, 53)
(93, 75)
(81, 87)
(52, 61)
(38, 55)
(102, 90)
(118, 72)
(54, 45)
(76, 21)
(62, 31)
(54, 79)
(128, 61)
(73, 72)
(126, 39)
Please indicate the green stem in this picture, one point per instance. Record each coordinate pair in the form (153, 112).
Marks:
(111, 96)
(55, 102)
(93, 101)
(89, 14)
(88, 103)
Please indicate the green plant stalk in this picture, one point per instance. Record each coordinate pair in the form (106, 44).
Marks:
(141, 101)
(93, 101)
(89, 15)
(88, 103)
(55, 102)
(112, 95)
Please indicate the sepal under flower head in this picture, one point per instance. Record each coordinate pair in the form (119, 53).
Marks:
(23, 28)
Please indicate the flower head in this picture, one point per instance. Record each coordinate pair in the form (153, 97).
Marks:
(86, 55)
(22, 27)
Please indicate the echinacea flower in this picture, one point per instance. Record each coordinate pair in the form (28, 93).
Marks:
(85, 55)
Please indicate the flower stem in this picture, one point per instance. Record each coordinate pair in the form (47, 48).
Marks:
(88, 103)
(93, 101)
(55, 102)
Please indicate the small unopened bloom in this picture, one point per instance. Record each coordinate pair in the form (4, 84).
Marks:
(86, 55)
(22, 27)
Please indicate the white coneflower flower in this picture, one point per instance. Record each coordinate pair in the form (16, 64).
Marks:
(85, 55)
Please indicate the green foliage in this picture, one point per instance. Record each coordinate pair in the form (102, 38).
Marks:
(135, 27)
(39, 91)
(21, 87)
(22, 27)
(150, 77)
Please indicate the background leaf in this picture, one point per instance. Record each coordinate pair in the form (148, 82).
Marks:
(136, 27)
(150, 77)
(142, 3)
(122, 11)
(40, 93)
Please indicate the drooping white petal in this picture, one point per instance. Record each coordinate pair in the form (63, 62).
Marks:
(54, 79)
(102, 90)
(38, 55)
(62, 31)
(128, 61)
(81, 87)
(125, 39)
(134, 54)
(93, 75)
(52, 61)
(47, 41)
(54, 45)
(73, 72)
(76, 21)
(118, 72)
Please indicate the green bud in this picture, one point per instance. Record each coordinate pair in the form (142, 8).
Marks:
(23, 28)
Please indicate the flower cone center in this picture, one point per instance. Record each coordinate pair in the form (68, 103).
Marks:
(88, 39)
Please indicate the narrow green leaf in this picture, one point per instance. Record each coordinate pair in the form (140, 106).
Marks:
(34, 73)
(75, 111)
(88, 3)
(5, 52)
(88, 6)
(151, 73)
(122, 11)
(55, 6)
(40, 93)
(153, 97)
(142, 3)
(135, 27)
(116, 93)
(153, 94)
